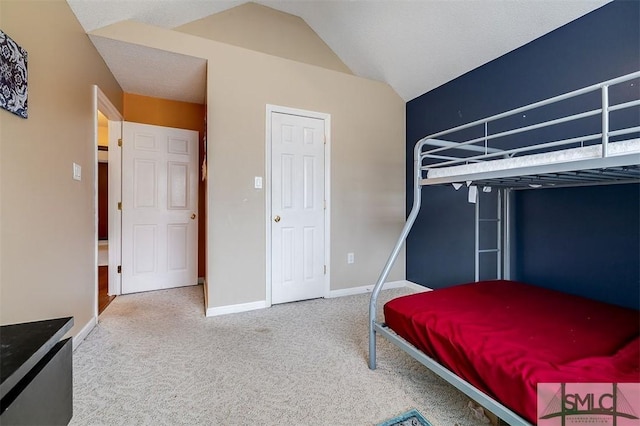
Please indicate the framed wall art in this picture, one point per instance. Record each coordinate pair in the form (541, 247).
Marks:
(13, 76)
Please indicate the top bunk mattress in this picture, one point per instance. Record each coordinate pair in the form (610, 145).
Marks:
(505, 337)
(628, 149)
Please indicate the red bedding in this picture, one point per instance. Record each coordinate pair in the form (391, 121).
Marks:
(504, 337)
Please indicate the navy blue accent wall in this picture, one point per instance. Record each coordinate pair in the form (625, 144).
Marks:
(601, 45)
(581, 240)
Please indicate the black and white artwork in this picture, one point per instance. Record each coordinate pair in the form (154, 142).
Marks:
(13, 76)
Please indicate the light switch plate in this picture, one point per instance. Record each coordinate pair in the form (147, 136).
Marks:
(77, 172)
(257, 182)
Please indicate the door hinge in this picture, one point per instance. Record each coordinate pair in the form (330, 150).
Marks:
(119, 269)
(119, 205)
(325, 204)
(325, 269)
(119, 141)
(325, 139)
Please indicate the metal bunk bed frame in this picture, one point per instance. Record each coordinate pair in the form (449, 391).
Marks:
(605, 169)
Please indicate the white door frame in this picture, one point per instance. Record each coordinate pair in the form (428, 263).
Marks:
(102, 103)
(115, 215)
(270, 109)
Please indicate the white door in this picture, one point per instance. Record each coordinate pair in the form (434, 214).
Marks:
(159, 206)
(297, 208)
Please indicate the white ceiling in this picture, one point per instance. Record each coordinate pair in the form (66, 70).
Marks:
(413, 45)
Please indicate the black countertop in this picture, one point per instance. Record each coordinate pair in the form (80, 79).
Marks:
(23, 345)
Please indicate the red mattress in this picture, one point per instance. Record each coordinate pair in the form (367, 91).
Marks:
(504, 337)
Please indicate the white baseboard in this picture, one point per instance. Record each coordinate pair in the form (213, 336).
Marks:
(244, 307)
(232, 309)
(417, 287)
(369, 288)
(78, 338)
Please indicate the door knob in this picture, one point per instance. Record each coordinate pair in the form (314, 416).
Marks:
(276, 219)
(193, 216)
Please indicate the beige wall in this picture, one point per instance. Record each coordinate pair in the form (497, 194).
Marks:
(267, 30)
(367, 168)
(47, 220)
(367, 160)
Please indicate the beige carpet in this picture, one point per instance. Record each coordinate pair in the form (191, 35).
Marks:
(155, 359)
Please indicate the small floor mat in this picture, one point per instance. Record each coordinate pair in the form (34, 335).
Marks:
(410, 418)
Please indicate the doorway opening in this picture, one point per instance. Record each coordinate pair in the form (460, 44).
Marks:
(102, 167)
(175, 115)
(107, 188)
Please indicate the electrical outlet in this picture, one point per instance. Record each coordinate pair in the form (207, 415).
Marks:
(351, 258)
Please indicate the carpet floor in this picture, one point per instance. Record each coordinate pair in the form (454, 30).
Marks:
(155, 359)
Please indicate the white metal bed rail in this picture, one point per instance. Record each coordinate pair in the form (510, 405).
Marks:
(493, 152)
(417, 198)
(490, 404)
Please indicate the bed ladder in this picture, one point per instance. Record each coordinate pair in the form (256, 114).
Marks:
(498, 248)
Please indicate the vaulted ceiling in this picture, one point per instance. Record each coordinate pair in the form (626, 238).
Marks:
(414, 46)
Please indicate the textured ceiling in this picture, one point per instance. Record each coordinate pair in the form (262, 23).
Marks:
(152, 72)
(414, 46)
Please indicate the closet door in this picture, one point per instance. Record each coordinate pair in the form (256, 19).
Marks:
(297, 204)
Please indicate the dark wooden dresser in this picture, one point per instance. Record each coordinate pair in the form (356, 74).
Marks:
(36, 372)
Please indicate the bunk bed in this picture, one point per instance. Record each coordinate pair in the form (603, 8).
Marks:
(495, 340)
